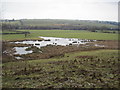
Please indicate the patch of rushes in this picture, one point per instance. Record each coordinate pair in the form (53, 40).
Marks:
(98, 70)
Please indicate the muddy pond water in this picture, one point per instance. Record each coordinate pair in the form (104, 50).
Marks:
(49, 41)
(55, 41)
(22, 50)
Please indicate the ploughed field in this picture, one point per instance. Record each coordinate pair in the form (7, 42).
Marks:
(68, 62)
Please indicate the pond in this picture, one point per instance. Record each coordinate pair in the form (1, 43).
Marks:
(29, 49)
(50, 41)
(56, 41)
(22, 50)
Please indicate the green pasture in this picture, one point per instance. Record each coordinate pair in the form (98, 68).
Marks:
(64, 34)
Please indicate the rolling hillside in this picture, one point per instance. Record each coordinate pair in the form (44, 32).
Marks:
(60, 24)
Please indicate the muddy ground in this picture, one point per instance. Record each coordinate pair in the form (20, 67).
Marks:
(50, 50)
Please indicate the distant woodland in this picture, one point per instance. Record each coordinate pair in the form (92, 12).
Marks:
(59, 24)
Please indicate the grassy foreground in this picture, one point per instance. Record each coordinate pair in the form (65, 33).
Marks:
(63, 33)
(86, 69)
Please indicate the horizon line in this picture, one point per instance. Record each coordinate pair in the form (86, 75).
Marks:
(58, 19)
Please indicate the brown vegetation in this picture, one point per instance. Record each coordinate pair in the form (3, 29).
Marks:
(50, 51)
(110, 44)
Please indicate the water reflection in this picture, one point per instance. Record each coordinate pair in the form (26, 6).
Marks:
(22, 50)
(49, 41)
(56, 41)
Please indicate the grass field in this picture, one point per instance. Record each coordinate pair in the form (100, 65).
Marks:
(88, 69)
(64, 34)
(81, 69)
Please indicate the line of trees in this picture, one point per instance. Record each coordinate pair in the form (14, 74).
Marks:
(19, 24)
(11, 27)
(65, 27)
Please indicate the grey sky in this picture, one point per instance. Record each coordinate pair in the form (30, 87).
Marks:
(61, 9)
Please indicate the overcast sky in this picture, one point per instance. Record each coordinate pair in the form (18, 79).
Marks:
(106, 10)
